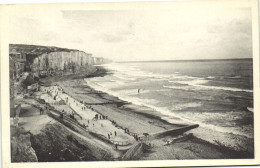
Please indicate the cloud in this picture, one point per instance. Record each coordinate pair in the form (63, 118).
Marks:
(184, 32)
(113, 38)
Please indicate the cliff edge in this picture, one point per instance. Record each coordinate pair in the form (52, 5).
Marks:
(44, 60)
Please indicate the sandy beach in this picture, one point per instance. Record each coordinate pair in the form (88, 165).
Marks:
(128, 121)
(77, 123)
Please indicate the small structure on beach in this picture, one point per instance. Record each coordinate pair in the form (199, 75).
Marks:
(30, 84)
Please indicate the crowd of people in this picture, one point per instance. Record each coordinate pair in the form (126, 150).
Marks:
(55, 91)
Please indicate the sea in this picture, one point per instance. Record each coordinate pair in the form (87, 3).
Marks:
(216, 94)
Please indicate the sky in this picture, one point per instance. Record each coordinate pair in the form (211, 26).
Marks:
(184, 31)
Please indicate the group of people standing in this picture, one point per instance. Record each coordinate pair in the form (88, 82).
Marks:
(55, 92)
(110, 134)
(100, 117)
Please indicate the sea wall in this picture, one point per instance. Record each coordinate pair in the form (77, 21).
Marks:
(173, 132)
(135, 152)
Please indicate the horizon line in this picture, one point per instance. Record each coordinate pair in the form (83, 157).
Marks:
(190, 60)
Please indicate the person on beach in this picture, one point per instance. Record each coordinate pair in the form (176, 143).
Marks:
(115, 133)
(41, 111)
(167, 142)
(61, 116)
(116, 146)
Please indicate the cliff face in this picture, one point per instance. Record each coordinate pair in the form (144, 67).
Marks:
(100, 60)
(21, 148)
(62, 61)
(43, 58)
(55, 143)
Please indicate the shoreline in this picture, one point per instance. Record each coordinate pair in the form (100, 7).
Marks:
(246, 146)
(120, 106)
(139, 121)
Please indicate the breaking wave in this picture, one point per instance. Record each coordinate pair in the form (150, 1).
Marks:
(167, 114)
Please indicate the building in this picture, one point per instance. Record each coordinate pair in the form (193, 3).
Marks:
(12, 77)
(19, 62)
(16, 69)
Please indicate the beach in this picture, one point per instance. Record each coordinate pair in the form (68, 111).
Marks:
(122, 130)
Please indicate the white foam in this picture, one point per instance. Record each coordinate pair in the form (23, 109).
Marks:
(124, 77)
(196, 82)
(126, 73)
(197, 85)
(227, 127)
(132, 72)
(121, 95)
(224, 88)
(178, 87)
(166, 112)
(185, 105)
(210, 77)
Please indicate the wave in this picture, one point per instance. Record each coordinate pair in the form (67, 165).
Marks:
(120, 94)
(210, 77)
(235, 77)
(196, 82)
(123, 77)
(199, 85)
(184, 106)
(167, 114)
(131, 73)
(178, 87)
(226, 88)
(157, 79)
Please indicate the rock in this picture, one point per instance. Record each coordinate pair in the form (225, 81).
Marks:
(21, 149)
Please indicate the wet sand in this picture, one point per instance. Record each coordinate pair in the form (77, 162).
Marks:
(124, 114)
(140, 120)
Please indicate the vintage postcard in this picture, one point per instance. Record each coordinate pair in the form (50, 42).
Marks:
(130, 84)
